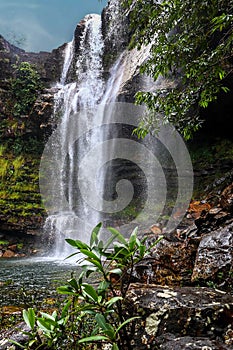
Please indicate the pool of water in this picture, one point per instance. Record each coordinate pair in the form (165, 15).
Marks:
(28, 282)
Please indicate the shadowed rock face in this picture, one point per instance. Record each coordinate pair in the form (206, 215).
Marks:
(48, 64)
(184, 312)
(188, 343)
(214, 255)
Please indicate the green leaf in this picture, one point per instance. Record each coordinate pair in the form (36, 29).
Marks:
(44, 325)
(65, 290)
(29, 317)
(92, 339)
(109, 241)
(103, 287)
(115, 346)
(116, 271)
(71, 255)
(49, 317)
(16, 343)
(105, 326)
(65, 309)
(90, 292)
(118, 235)
(90, 254)
(89, 269)
(98, 264)
(31, 342)
(142, 250)
(77, 244)
(73, 283)
(133, 239)
(125, 323)
(113, 301)
(100, 319)
(94, 234)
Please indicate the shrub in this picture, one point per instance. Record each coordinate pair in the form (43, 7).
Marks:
(95, 314)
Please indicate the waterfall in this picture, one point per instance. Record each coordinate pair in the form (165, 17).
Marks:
(97, 170)
(84, 93)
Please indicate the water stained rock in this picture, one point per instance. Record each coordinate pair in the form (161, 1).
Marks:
(182, 312)
(167, 342)
(215, 255)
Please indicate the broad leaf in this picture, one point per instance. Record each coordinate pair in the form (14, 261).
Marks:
(77, 244)
(119, 236)
(73, 283)
(29, 317)
(65, 290)
(90, 292)
(94, 234)
(113, 301)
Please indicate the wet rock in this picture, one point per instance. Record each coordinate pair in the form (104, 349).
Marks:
(215, 255)
(218, 216)
(170, 262)
(15, 334)
(13, 247)
(8, 254)
(167, 342)
(115, 31)
(212, 220)
(197, 207)
(156, 230)
(40, 121)
(226, 200)
(182, 312)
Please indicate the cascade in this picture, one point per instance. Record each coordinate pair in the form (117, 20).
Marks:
(85, 92)
(98, 172)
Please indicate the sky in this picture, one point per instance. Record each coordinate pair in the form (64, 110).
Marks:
(42, 25)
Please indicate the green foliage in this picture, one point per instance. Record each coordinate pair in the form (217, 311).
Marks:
(191, 47)
(25, 87)
(4, 242)
(94, 314)
(19, 187)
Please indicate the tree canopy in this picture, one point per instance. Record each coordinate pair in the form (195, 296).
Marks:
(191, 45)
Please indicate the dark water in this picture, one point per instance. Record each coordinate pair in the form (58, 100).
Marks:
(29, 282)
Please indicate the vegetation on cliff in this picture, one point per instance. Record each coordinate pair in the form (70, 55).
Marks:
(20, 151)
(191, 47)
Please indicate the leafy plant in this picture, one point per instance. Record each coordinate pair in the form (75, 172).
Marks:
(94, 314)
(25, 87)
(191, 48)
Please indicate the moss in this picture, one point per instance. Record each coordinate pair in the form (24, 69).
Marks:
(206, 154)
(20, 197)
(3, 242)
(212, 163)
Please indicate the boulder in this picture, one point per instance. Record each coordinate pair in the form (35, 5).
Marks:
(204, 315)
(167, 342)
(214, 259)
(8, 254)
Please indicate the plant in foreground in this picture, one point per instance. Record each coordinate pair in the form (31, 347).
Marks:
(94, 314)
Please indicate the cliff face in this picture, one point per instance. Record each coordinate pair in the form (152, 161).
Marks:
(22, 138)
(23, 135)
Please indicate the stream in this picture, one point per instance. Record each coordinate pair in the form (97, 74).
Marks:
(30, 282)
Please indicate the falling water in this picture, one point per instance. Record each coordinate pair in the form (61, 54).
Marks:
(85, 183)
(82, 94)
(85, 94)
